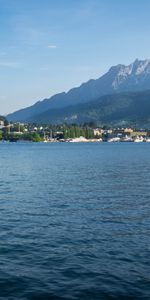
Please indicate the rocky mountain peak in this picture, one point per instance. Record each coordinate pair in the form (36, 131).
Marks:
(141, 66)
(131, 72)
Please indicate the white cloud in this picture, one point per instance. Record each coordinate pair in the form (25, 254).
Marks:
(9, 64)
(52, 46)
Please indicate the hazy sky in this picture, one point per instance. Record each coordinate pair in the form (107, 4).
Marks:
(49, 46)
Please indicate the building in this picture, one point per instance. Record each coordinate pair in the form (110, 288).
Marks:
(98, 131)
(1, 124)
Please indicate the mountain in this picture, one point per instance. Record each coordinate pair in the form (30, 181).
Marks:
(122, 109)
(2, 118)
(120, 78)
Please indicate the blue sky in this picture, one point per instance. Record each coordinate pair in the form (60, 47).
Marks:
(50, 46)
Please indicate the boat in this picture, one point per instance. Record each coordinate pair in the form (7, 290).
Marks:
(115, 139)
(139, 139)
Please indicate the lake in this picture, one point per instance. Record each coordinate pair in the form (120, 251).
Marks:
(74, 221)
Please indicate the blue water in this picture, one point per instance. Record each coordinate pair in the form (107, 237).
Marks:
(75, 221)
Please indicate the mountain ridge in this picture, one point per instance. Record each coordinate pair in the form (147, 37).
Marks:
(118, 109)
(119, 78)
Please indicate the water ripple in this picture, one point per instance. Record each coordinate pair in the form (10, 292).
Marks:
(74, 221)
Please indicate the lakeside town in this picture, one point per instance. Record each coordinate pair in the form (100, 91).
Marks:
(14, 132)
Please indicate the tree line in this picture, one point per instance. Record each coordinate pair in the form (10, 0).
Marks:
(28, 132)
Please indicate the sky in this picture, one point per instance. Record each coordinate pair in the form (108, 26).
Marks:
(48, 46)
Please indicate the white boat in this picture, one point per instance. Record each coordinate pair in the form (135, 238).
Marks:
(78, 140)
(138, 139)
(127, 139)
(115, 139)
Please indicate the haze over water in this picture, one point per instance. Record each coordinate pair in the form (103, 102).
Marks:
(74, 221)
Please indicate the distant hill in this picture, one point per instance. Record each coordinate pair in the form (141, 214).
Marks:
(132, 108)
(120, 78)
(2, 118)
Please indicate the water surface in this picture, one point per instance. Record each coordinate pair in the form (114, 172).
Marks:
(74, 221)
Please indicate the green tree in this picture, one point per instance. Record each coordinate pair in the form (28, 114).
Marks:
(36, 137)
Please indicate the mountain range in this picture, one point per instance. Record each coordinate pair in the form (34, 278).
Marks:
(118, 96)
